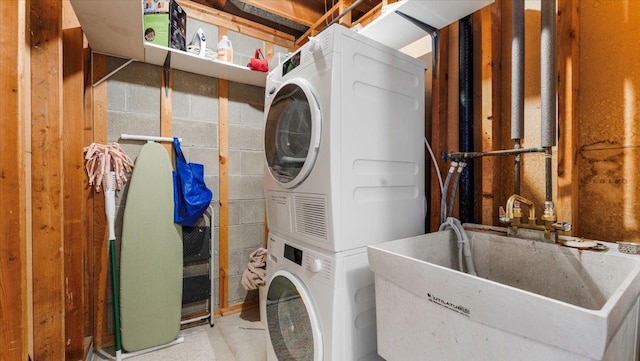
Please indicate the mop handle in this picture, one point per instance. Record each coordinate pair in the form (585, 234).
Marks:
(110, 204)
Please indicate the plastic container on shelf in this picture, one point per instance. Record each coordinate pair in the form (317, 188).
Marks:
(225, 50)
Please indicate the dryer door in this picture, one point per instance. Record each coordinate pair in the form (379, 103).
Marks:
(292, 133)
(292, 324)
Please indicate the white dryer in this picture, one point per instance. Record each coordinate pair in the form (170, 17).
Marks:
(344, 143)
(318, 306)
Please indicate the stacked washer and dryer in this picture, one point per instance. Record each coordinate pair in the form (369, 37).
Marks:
(344, 146)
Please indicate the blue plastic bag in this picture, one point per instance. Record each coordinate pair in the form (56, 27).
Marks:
(191, 197)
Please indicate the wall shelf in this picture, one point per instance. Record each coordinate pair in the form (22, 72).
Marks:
(115, 28)
(393, 30)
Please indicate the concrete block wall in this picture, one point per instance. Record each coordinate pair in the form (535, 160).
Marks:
(134, 95)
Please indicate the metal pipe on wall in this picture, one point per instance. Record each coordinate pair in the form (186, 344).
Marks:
(548, 70)
(548, 86)
(465, 118)
(517, 70)
(345, 12)
(517, 84)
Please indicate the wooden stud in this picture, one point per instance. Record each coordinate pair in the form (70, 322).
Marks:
(100, 242)
(47, 179)
(223, 145)
(568, 99)
(490, 23)
(74, 205)
(69, 18)
(14, 327)
(88, 251)
(268, 50)
(439, 122)
(346, 19)
(166, 106)
(371, 15)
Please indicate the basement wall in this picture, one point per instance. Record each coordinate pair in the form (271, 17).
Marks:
(609, 120)
(134, 95)
(606, 144)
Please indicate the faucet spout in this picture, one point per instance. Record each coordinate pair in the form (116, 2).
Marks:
(514, 211)
(514, 219)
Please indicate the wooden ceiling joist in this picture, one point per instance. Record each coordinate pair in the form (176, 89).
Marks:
(318, 25)
(237, 24)
(300, 12)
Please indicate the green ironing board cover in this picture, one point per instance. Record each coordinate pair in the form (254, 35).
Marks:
(151, 255)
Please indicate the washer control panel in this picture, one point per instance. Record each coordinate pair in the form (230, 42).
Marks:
(318, 265)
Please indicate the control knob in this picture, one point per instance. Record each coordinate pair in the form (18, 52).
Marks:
(314, 45)
(316, 265)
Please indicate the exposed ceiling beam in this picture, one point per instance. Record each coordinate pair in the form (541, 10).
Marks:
(218, 18)
(303, 12)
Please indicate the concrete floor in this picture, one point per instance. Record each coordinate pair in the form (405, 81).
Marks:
(237, 337)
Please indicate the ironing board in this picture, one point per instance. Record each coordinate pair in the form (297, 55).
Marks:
(151, 255)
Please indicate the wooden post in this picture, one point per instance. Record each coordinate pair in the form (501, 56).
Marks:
(223, 150)
(14, 327)
(166, 106)
(439, 122)
(87, 138)
(346, 19)
(568, 85)
(45, 19)
(100, 242)
(223, 136)
(74, 184)
(490, 33)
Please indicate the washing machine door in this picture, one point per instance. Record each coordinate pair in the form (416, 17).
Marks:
(292, 323)
(292, 133)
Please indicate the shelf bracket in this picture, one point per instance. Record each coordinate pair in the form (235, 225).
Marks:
(166, 66)
(435, 38)
(111, 73)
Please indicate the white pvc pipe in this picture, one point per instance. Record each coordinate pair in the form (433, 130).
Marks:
(149, 138)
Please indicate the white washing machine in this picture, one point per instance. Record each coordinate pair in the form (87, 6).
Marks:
(318, 305)
(344, 143)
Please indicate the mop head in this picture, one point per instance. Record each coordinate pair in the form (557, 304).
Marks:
(102, 159)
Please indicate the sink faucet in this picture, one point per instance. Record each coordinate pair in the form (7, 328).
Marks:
(513, 218)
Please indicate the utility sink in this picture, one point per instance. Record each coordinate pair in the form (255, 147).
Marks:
(530, 300)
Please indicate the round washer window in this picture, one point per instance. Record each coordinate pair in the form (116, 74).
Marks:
(289, 323)
(292, 133)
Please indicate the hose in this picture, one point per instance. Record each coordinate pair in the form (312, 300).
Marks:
(452, 197)
(435, 164)
(464, 245)
(443, 196)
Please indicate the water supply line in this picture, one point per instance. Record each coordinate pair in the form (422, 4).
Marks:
(465, 257)
(452, 197)
(443, 196)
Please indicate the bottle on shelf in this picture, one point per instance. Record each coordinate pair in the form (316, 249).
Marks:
(225, 50)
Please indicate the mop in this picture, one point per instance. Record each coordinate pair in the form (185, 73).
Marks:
(106, 167)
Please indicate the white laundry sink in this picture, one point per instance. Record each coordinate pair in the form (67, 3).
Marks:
(530, 300)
